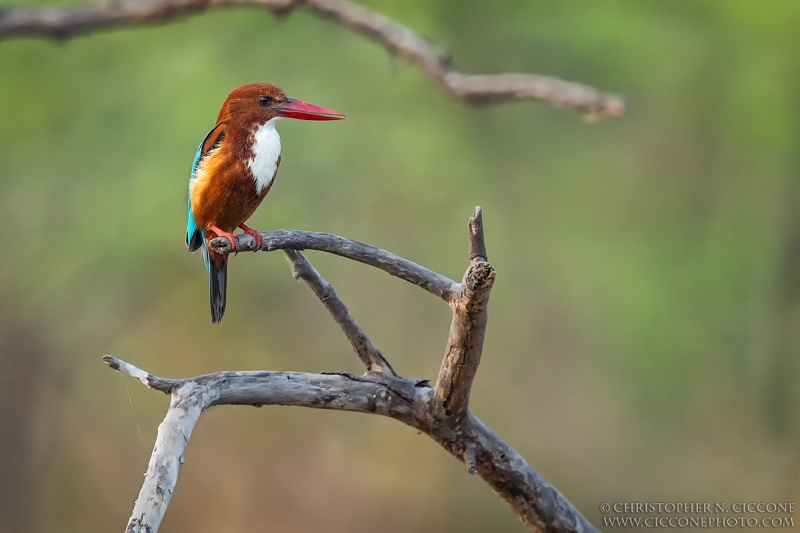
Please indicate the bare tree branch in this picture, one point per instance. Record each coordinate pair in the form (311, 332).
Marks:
(468, 328)
(539, 505)
(290, 239)
(66, 22)
(441, 413)
(367, 352)
(398, 39)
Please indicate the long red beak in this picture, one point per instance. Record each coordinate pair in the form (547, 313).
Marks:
(304, 111)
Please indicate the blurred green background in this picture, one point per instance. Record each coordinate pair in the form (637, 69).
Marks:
(645, 323)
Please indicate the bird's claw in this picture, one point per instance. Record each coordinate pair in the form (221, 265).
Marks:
(225, 235)
(232, 241)
(254, 233)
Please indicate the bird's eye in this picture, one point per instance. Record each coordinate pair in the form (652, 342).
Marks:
(264, 101)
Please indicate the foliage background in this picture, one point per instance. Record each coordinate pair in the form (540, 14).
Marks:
(645, 324)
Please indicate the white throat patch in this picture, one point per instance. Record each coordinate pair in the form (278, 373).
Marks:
(266, 151)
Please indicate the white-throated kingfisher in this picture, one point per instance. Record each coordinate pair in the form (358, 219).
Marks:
(233, 170)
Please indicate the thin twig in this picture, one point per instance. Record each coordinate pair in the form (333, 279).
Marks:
(155, 383)
(477, 243)
(367, 352)
(289, 239)
(66, 22)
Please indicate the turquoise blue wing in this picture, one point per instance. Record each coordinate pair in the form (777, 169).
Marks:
(194, 237)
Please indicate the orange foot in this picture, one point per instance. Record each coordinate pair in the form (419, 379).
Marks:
(224, 234)
(255, 233)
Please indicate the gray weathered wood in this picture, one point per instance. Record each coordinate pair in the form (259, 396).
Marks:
(538, 504)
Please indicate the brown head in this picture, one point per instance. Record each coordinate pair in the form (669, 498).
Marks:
(256, 103)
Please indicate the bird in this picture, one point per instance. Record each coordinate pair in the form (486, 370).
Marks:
(234, 169)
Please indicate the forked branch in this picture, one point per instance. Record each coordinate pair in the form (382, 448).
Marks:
(367, 352)
(63, 22)
(442, 412)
